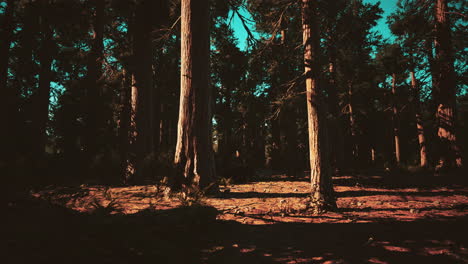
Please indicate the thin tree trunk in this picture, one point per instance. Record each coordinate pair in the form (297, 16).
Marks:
(156, 111)
(131, 159)
(338, 144)
(124, 122)
(396, 130)
(158, 104)
(352, 127)
(227, 144)
(93, 77)
(287, 120)
(288, 141)
(7, 35)
(321, 183)
(43, 95)
(275, 155)
(162, 125)
(8, 106)
(428, 48)
(27, 73)
(419, 123)
(450, 156)
(194, 149)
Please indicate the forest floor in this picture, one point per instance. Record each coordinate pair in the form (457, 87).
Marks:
(380, 219)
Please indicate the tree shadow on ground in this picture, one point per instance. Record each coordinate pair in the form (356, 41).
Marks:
(395, 181)
(400, 193)
(391, 242)
(244, 195)
(38, 232)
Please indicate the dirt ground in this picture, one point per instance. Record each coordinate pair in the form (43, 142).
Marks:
(379, 220)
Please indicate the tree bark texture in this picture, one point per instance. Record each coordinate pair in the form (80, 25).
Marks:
(337, 144)
(321, 184)
(94, 74)
(395, 119)
(194, 149)
(142, 93)
(124, 121)
(419, 122)
(353, 148)
(450, 156)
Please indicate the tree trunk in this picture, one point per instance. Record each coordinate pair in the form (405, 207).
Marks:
(43, 94)
(143, 143)
(124, 122)
(7, 35)
(337, 145)
(26, 77)
(396, 130)
(354, 147)
(275, 154)
(156, 110)
(419, 123)
(321, 182)
(194, 149)
(8, 106)
(226, 145)
(132, 156)
(287, 120)
(94, 74)
(450, 156)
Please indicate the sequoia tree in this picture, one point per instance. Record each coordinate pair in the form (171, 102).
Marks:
(93, 77)
(419, 122)
(445, 90)
(142, 90)
(321, 184)
(194, 150)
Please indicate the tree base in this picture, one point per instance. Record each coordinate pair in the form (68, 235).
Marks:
(320, 206)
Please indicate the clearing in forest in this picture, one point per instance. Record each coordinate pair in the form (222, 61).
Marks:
(265, 221)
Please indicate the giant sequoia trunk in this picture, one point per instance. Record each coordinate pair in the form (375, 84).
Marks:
(142, 92)
(449, 151)
(321, 182)
(94, 74)
(419, 123)
(194, 150)
(45, 77)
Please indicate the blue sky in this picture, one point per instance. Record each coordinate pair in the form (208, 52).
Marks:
(388, 6)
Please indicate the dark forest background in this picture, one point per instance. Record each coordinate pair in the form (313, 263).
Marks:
(69, 71)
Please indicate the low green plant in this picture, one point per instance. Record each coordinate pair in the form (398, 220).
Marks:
(193, 196)
(101, 208)
(225, 182)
